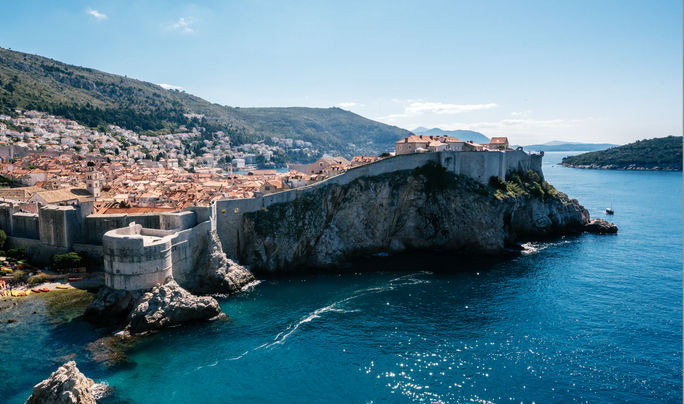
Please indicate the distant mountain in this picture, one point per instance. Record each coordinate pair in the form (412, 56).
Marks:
(663, 153)
(93, 98)
(567, 146)
(466, 135)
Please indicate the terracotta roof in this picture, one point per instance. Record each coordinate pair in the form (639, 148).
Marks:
(428, 139)
(496, 140)
(19, 194)
(64, 195)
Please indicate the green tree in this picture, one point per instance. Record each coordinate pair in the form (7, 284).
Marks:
(3, 238)
(68, 260)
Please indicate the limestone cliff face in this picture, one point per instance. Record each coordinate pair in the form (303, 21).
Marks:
(216, 273)
(418, 209)
(66, 385)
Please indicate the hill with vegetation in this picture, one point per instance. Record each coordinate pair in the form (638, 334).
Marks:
(462, 134)
(95, 98)
(663, 153)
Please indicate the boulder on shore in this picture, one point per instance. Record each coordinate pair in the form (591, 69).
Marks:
(167, 305)
(600, 226)
(111, 305)
(66, 385)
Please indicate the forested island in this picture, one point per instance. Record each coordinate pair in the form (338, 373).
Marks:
(664, 154)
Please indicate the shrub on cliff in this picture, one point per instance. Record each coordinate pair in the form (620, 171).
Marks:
(65, 261)
(17, 253)
(438, 179)
(521, 184)
(3, 238)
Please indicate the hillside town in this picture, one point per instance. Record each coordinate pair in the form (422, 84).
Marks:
(52, 160)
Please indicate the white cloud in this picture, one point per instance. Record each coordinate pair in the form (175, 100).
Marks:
(521, 113)
(184, 25)
(527, 131)
(347, 104)
(417, 108)
(527, 125)
(98, 15)
(170, 87)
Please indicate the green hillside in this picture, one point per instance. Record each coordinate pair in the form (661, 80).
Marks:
(663, 153)
(92, 98)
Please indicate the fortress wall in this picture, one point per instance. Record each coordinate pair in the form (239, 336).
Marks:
(39, 252)
(480, 166)
(59, 228)
(132, 262)
(6, 211)
(178, 220)
(94, 252)
(59, 225)
(25, 225)
(96, 226)
(187, 247)
(229, 221)
(202, 213)
(536, 163)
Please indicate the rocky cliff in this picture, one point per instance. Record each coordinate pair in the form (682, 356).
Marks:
(168, 305)
(66, 385)
(216, 273)
(406, 210)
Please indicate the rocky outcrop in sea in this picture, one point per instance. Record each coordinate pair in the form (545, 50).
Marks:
(66, 385)
(168, 305)
(216, 273)
(600, 226)
(426, 208)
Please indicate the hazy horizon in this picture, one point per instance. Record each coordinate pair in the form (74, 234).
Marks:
(536, 72)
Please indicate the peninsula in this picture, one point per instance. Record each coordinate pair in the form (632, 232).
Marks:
(657, 154)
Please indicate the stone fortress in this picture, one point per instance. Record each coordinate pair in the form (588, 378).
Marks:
(139, 251)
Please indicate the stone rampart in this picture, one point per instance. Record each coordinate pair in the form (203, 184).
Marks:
(25, 225)
(136, 258)
(480, 165)
(58, 229)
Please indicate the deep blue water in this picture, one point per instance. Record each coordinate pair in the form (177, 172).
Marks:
(583, 319)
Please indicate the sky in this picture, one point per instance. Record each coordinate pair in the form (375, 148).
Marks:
(535, 71)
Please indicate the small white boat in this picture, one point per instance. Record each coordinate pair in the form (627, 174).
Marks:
(610, 211)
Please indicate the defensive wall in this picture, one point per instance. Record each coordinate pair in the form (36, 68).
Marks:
(59, 229)
(166, 244)
(137, 258)
(478, 165)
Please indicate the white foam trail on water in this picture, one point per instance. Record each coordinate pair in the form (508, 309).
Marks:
(250, 286)
(100, 390)
(334, 307)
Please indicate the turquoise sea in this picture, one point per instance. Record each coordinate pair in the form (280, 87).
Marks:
(580, 319)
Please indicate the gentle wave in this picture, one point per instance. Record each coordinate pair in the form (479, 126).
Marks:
(335, 307)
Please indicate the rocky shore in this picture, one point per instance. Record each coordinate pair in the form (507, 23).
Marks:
(426, 208)
(168, 305)
(66, 385)
(140, 311)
